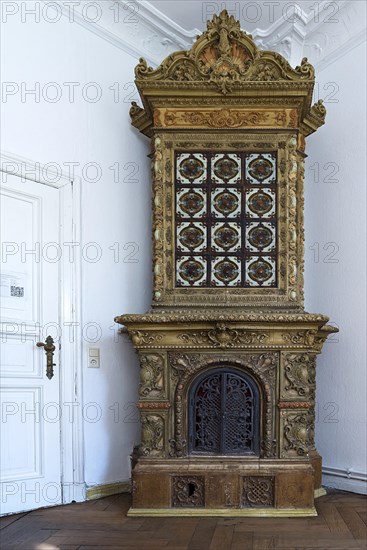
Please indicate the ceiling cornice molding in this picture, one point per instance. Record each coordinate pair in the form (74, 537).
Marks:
(325, 42)
(163, 24)
(141, 30)
(137, 28)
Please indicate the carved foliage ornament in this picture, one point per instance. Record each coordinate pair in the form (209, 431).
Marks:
(298, 433)
(141, 338)
(225, 56)
(225, 118)
(298, 375)
(151, 376)
(152, 435)
(222, 336)
(303, 337)
(260, 316)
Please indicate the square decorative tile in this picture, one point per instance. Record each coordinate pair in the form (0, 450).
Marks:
(260, 237)
(191, 168)
(260, 168)
(260, 203)
(226, 168)
(191, 237)
(191, 271)
(226, 203)
(191, 203)
(226, 271)
(260, 271)
(226, 237)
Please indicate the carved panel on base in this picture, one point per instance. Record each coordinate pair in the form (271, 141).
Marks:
(188, 491)
(258, 492)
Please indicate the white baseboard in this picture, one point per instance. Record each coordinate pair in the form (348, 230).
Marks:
(345, 480)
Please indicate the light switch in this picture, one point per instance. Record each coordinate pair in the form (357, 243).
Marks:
(94, 358)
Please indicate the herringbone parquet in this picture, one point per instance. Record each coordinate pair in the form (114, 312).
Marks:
(102, 524)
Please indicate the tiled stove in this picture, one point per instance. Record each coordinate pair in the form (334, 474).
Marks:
(227, 353)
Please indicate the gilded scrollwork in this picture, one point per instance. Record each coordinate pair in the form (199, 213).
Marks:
(266, 72)
(318, 109)
(314, 118)
(225, 59)
(298, 436)
(224, 118)
(144, 338)
(151, 376)
(222, 336)
(135, 110)
(306, 338)
(305, 70)
(293, 235)
(152, 435)
(158, 215)
(298, 375)
(225, 316)
(196, 338)
(224, 56)
(178, 447)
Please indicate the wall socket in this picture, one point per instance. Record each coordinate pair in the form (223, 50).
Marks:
(94, 358)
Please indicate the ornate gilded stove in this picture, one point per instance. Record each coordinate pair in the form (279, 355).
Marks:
(227, 353)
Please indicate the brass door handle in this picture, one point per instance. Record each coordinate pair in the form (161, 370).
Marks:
(49, 349)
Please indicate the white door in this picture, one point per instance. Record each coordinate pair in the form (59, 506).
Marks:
(30, 402)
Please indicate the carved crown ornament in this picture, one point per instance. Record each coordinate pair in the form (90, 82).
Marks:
(226, 64)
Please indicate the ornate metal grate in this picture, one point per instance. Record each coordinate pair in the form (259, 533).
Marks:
(224, 414)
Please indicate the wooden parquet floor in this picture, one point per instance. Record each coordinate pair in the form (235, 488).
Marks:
(102, 524)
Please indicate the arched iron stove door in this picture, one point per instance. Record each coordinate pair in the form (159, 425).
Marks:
(224, 414)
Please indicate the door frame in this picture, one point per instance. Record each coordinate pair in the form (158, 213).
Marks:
(73, 487)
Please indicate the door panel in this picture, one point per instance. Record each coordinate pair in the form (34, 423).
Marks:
(20, 357)
(30, 412)
(224, 414)
(24, 421)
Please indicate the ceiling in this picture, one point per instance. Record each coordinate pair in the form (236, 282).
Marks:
(193, 14)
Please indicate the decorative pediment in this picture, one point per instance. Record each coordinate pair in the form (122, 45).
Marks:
(225, 56)
(224, 66)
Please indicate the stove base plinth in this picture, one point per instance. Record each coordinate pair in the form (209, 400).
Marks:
(266, 488)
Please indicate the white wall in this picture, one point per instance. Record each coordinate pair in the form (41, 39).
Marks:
(335, 212)
(84, 132)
